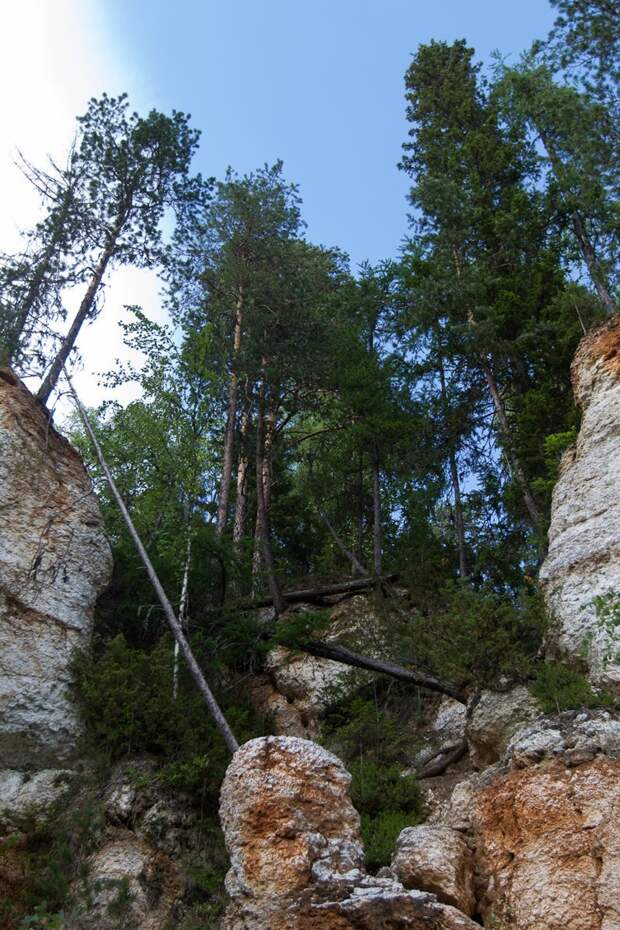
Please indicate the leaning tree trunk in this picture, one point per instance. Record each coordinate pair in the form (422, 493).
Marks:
(175, 626)
(595, 270)
(84, 311)
(231, 422)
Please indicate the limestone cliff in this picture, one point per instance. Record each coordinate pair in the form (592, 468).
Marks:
(54, 561)
(584, 537)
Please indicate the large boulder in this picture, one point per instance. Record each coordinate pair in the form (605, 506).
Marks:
(296, 857)
(437, 859)
(494, 719)
(54, 561)
(583, 561)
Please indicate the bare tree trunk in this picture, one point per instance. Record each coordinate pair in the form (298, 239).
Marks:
(33, 293)
(231, 423)
(174, 624)
(267, 482)
(262, 512)
(459, 523)
(182, 611)
(377, 530)
(358, 568)
(243, 464)
(360, 508)
(84, 311)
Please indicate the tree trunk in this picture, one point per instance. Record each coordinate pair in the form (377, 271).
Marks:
(459, 523)
(347, 657)
(243, 464)
(595, 271)
(262, 512)
(358, 568)
(267, 472)
(182, 611)
(85, 310)
(377, 530)
(177, 632)
(511, 456)
(231, 423)
(315, 594)
(33, 293)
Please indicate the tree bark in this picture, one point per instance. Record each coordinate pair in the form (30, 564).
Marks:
(173, 622)
(243, 464)
(262, 513)
(182, 611)
(231, 423)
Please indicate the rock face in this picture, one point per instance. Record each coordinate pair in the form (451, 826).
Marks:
(584, 536)
(548, 847)
(298, 687)
(54, 561)
(295, 851)
(494, 720)
(437, 859)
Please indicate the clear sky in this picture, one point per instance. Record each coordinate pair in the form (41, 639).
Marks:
(316, 83)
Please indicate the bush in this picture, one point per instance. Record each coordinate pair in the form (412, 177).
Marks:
(380, 834)
(125, 696)
(558, 688)
(475, 637)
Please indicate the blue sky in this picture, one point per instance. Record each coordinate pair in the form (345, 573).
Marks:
(316, 83)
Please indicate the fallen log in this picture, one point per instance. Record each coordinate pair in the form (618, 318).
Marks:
(313, 594)
(445, 757)
(347, 657)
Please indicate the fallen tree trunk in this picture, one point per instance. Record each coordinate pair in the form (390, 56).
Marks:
(313, 594)
(440, 762)
(347, 657)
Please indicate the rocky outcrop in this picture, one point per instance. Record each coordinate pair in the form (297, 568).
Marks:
(436, 859)
(583, 561)
(54, 561)
(494, 719)
(548, 849)
(296, 687)
(295, 850)
(28, 799)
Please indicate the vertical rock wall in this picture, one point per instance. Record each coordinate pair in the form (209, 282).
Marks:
(54, 561)
(584, 536)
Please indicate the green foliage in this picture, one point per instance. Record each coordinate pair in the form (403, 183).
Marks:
(380, 833)
(607, 607)
(125, 695)
(474, 637)
(559, 688)
(41, 919)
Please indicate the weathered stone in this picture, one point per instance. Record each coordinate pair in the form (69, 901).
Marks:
(436, 859)
(445, 730)
(583, 561)
(24, 799)
(54, 561)
(494, 720)
(129, 884)
(548, 847)
(295, 851)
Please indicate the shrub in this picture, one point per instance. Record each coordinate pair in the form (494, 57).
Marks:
(558, 688)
